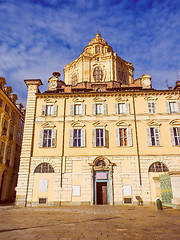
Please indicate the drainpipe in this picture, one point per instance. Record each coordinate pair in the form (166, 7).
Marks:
(63, 138)
(137, 143)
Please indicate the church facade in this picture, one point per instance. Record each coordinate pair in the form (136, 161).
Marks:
(98, 137)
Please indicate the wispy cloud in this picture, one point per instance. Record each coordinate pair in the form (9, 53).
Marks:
(42, 36)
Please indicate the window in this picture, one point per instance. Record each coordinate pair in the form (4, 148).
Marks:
(44, 168)
(74, 79)
(100, 137)
(98, 74)
(173, 107)
(47, 138)
(97, 49)
(151, 107)
(77, 138)
(123, 137)
(121, 108)
(49, 110)
(99, 108)
(158, 167)
(175, 136)
(78, 109)
(153, 136)
(7, 109)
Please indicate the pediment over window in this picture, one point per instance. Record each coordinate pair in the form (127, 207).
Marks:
(77, 124)
(172, 97)
(150, 98)
(153, 123)
(121, 99)
(48, 125)
(78, 99)
(175, 122)
(99, 124)
(50, 100)
(123, 124)
(99, 99)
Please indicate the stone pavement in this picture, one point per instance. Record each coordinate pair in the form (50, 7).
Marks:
(89, 222)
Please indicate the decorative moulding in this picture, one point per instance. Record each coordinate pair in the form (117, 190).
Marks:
(175, 122)
(150, 98)
(123, 124)
(121, 99)
(99, 124)
(172, 97)
(78, 99)
(77, 124)
(153, 123)
(48, 125)
(50, 100)
(99, 99)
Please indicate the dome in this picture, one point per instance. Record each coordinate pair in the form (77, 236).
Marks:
(98, 39)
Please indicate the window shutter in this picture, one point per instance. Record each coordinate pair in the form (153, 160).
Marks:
(127, 108)
(104, 108)
(106, 137)
(117, 137)
(41, 133)
(116, 108)
(93, 109)
(157, 136)
(129, 137)
(43, 110)
(83, 109)
(178, 106)
(53, 138)
(149, 142)
(71, 137)
(55, 110)
(153, 107)
(83, 137)
(94, 137)
(72, 110)
(172, 136)
(167, 107)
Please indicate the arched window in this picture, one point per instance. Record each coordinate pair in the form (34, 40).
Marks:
(44, 168)
(74, 79)
(97, 49)
(98, 74)
(101, 163)
(158, 167)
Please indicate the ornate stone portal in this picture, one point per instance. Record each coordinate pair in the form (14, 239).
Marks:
(101, 171)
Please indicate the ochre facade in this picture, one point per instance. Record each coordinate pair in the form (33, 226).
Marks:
(11, 133)
(98, 137)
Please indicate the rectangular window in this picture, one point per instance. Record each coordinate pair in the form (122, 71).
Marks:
(151, 107)
(1, 102)
(123, 136)
(77, 109)
(176, 131)
(100, 138)
(49, 110)
(121, 108)
(173, 107)
(154, 135)
(99, 109)
(47, 138)
(77, 138)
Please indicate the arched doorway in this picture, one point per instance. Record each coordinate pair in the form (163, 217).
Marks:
(102, 191)
(155, 170)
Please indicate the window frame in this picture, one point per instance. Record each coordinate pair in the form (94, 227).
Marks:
(98, 74)
(151, 107)
(153, 136)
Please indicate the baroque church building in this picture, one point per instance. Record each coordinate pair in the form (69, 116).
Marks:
(100, 136)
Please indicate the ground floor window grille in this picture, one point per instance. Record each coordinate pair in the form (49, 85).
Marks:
(158, 167)
(44, 168)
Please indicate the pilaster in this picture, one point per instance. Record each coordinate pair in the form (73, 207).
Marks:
(27, 144)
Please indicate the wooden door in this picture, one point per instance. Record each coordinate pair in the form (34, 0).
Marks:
(104, 194)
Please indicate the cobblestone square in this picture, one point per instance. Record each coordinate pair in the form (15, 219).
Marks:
(98, 222)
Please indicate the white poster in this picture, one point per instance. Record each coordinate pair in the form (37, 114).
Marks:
(43, 185)
(126, 190)
(76, 190)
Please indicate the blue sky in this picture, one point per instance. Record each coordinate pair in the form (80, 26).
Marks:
(39, 37)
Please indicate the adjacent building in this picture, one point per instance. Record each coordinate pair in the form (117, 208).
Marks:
(11, 132)
(100, 136)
